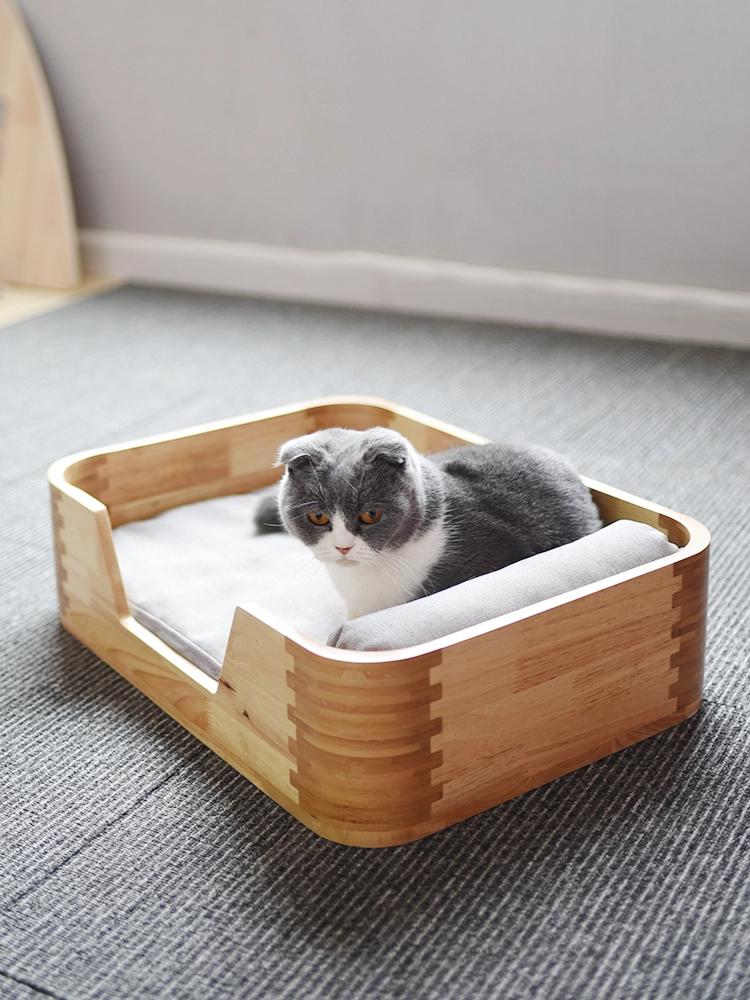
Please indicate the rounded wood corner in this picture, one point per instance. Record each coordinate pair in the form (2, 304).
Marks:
(689, 534)
(374, 748)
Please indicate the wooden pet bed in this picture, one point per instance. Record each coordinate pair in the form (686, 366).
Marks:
(380, 748)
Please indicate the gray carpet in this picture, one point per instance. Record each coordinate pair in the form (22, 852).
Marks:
(135, 864)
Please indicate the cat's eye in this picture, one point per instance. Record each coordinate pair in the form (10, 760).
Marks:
(370, 516)
(317, 517)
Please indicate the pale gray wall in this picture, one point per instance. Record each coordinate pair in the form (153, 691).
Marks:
(601, 137)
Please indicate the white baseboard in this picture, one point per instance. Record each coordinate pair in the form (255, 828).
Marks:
(425, 286)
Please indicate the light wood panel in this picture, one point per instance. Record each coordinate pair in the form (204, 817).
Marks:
(38, 236)
(141, 479)
(363, 746)
(564, 686)
(376, 749)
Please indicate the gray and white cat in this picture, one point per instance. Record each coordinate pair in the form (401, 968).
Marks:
(391, 525)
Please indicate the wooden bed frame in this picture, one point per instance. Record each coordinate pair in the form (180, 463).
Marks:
(379, 748)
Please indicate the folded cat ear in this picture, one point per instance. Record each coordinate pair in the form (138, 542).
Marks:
(297, 453)
(390, 450)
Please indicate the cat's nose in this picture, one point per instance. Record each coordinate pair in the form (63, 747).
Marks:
(343, 550)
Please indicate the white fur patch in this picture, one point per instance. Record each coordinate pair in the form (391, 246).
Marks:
(369, 580)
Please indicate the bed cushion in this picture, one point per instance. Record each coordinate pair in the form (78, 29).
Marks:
(614, 549)
(187, 569)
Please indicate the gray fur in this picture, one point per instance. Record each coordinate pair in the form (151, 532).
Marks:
(267, 518)
(498, 502)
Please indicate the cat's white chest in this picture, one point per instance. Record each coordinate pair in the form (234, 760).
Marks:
(383, 579)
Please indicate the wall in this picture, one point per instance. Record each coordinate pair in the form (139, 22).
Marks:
(588, 137)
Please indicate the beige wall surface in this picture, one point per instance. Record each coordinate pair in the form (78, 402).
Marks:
(589, 137)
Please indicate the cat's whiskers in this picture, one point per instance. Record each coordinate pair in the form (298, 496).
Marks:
(398, 584)
(307, 570)
(317, 479)
(383, 570)
(409, 568)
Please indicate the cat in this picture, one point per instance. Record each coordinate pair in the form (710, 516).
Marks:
(391, 525)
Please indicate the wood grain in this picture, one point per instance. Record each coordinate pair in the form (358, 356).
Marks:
(362, 748)
(139, 480)
(38, 236)
(562, 687)
(376, 749)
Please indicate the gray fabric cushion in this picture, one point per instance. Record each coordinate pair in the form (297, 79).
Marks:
(620, 546)
(186, 570)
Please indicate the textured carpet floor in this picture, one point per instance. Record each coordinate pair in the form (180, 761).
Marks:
(136, 864)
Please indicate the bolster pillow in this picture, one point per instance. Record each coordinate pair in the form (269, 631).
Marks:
(620, 546)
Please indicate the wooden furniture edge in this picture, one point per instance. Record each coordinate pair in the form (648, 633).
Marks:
(278, 411)
(61, 269)
(211, 710)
